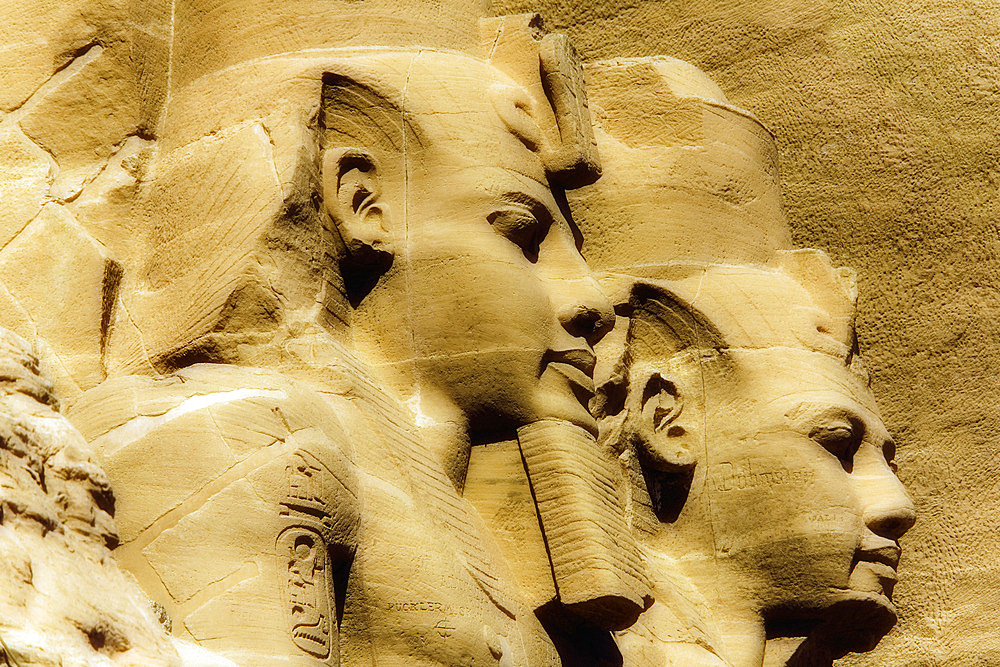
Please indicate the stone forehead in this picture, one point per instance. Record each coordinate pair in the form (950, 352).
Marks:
(800, 301)
(760, 308)
(455, 103)
(435, 87)
(423, 81)
(786, 376)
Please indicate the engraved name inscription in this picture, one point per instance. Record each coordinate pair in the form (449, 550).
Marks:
(305, 559)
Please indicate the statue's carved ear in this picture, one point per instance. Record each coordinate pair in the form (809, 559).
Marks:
(352, 194)
(659, 426)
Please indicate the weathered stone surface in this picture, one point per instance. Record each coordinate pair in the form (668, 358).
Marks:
(407, 334)
(40, 38)
(61, 284)
(24, 183)
(676, 154)
(64, 602)
(215, 34)
(267, 460)
(83, 116)
(197, 243)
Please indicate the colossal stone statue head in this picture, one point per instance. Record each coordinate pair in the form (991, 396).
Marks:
(412, 193)
(760, 469)
(469, 297)
(468, 288)
(761, 449)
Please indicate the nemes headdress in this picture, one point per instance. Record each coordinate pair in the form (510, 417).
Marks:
(797, 300)
(248, 83)
(236, 59)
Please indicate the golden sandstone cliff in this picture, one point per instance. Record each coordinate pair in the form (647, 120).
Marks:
(372, 332)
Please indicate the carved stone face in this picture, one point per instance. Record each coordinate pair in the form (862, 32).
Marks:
(762, 447)
(803, 495)
(502, 302)
(794, 482)
(488, 307)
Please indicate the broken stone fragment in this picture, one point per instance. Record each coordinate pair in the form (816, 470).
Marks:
(64, 602)
(61, 302)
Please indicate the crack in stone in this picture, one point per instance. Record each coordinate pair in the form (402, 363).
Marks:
(80, 58)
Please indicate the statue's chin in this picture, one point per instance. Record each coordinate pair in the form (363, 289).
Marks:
(854, 624)
(563, 394)
(851, 621)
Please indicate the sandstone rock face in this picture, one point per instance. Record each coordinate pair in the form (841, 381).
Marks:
(247, 463)
(413, 333)
(885, 114)
(65, 601)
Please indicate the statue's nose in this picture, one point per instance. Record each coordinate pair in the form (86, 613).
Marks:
(888, 508)
(586, 312)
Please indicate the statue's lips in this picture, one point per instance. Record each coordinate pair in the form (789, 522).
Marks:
(881, 570)
(887, 554)
(577, 366)
(875, 569)
(581, 359)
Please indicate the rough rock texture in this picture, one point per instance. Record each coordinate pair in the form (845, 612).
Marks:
(82, 86)
(65, 601)
(230, 458)
(196, 181)
(886, 116)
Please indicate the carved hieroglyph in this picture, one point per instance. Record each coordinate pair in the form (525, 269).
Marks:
(321, 314)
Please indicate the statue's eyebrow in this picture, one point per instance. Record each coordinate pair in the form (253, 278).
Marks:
(870, 423)
(822, 408)
(535, 206)
(816, 409)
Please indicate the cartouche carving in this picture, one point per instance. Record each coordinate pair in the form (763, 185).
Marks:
(305, 545)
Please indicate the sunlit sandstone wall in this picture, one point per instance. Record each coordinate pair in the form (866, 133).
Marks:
(887, 114)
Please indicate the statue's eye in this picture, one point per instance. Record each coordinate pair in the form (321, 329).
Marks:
(520, 226)
(840, 438)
